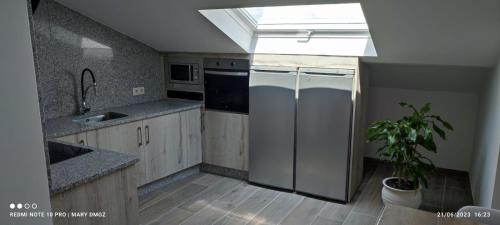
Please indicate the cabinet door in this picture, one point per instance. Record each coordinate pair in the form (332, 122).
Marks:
(225, 139)
(91, 138)
(163, 146)
(191, 136)
(127, 138)
(155, 151)
(173, 143)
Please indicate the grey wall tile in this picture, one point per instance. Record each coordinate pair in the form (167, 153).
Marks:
(67, 42)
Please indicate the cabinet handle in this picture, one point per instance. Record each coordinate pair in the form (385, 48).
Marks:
(139, 136)
(147, 134)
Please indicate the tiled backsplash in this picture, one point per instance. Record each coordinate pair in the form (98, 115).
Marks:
(67, 42)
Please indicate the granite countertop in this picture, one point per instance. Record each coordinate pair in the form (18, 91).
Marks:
(82, 169)
(65, 126)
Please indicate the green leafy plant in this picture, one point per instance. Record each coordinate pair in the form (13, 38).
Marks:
(401, 140)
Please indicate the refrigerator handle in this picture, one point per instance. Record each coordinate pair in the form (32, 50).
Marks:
(270, 72)
(324, 74)
(327, 72)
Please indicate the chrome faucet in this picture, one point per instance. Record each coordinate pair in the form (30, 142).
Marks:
(83, 108)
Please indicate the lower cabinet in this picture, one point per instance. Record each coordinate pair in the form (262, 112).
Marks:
(124, 138)
(163, 153)
(112, 198)
(164, 144)
(225, 139)
(191, 137)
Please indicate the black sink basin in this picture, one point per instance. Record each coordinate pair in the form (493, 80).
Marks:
(59, 152)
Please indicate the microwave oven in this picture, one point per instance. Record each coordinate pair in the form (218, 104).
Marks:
(184, 73)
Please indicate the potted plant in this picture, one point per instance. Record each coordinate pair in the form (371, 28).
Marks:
(402, 143)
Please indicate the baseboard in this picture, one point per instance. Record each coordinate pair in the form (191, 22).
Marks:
(369, 160)
(224, 171)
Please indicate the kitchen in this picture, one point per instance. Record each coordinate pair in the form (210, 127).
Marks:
(187, 135)
(171, 138)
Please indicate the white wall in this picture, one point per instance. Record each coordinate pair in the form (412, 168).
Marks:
(22, 164)
(457, 108)
(485, 182)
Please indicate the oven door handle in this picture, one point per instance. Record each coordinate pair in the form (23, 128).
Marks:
(227, 73)
(190, 72)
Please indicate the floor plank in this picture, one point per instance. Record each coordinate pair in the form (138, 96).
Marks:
(169, 202)
(396, 215)
(277, 210)
(212, 199)
(324, 221)
(305, 212)
(360, 219)
(231, 220)
(220, 207)
(208, 179)
(167, 190)
(253, 205)
(369, 201)
(174, 217)
(208, 195)
(335, 211)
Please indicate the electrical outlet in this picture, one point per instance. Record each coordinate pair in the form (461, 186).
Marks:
(137, 91)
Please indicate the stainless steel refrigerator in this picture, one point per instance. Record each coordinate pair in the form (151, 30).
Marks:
(272, 125)
(300, 126)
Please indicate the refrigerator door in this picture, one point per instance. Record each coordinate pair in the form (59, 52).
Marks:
(323, 132)
(272, 126)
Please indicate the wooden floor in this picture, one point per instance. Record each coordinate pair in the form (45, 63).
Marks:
(211, 199)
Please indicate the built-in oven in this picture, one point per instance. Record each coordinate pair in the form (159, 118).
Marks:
(226, 84)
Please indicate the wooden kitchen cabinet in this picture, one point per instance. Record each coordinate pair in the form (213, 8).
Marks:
(165, 145)
(175, 155)
(225, 139)
(162, 149)
(125, 138)
(172, 143)
(114, 194)
(91, 138)
(191, 136)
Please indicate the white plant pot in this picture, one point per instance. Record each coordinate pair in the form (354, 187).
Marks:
(408, 198)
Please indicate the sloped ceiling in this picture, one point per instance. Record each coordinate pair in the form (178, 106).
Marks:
(444, 32)
(427, 77)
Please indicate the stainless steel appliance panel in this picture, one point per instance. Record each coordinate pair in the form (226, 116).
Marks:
(323, 133)
(272, 124)
(226, 85)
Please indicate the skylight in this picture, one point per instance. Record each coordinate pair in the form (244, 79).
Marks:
(331, 14)
(326, 29)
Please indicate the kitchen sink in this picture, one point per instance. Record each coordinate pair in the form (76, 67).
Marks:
(59, 152)
(99, 118)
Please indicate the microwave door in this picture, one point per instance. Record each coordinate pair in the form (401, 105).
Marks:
(180, 73)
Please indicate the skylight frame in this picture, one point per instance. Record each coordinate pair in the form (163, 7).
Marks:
(337, 39)
(245, 16)
(351, 26)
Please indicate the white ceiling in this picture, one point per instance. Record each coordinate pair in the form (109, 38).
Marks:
(444, 32)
